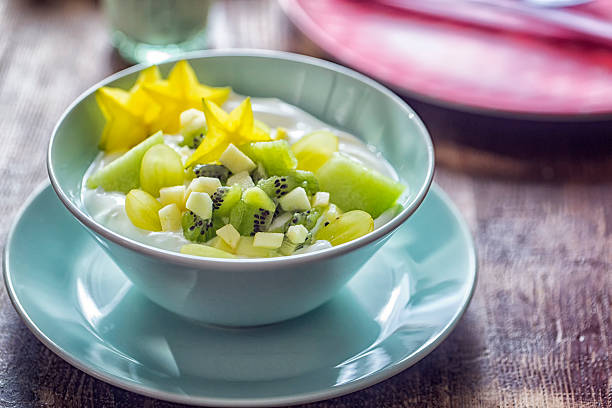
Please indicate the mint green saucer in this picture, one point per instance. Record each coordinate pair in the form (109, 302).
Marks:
(396, 310)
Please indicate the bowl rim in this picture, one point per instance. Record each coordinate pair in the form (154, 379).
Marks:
(242, 264)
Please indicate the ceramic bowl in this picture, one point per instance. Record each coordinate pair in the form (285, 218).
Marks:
(246, 292)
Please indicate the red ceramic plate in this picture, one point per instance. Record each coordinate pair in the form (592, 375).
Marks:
(461, 65)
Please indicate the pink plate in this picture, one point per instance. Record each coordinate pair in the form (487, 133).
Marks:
(462, 65)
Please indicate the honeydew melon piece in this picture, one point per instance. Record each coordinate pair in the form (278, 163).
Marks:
(123, 174)
(205, 251)
(269, 240)
(354, 187)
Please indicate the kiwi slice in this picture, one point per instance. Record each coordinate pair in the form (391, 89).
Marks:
(194, 139)
(212, 170)
(197, 229)
(278, 186)
(307, 218)
(225, 198)
(253, 213)
(276, 156)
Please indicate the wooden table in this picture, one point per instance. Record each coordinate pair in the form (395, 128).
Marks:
(537, 196)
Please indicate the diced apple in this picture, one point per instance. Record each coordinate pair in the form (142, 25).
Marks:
(321, 199)
(295, 200)
(200, 204)
(268, 240)
(236, 161)
(173, 195)
(229, 234)
(242, 179)
(297, 234)
(170, 218)
(206, 185)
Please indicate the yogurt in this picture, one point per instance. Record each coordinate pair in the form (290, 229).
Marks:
(108, 208)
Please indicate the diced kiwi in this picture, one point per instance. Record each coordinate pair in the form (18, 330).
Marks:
(253, 213)
(197, 229)
(276, 156)
(346, 227)
(123, 174)
(355, 187)
(225, 198)
(278, 186)
(307, 218)
(259, 173)
(193, 140)
(211, 170)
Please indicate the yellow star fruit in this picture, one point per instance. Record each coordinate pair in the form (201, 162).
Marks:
(237, 127)
(123, 129)
(181, 91)
(128, 114)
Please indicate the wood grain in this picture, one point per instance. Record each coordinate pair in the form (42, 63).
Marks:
(538, 332)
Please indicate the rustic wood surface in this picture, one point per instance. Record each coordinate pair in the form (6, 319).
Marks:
(537, 196)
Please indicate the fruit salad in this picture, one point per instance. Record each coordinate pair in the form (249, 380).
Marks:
(226, 176)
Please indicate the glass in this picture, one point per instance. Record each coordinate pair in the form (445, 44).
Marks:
(153, 30)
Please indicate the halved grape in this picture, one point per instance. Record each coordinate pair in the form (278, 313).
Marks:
(161, 167)
(346, 227)
(143, 210)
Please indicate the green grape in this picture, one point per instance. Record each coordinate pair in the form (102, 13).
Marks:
(143, 210)
(161, 167)
(346, 227)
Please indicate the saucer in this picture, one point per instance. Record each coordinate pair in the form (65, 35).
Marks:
(395, 311)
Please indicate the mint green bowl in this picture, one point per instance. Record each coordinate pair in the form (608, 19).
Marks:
(247, 292)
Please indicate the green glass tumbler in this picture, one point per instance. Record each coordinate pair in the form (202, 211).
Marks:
(151, 31)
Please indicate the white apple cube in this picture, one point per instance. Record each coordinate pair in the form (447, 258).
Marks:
(236, 161)
(192, 120)
(200, 204)
(295, 200)
(230, 235)
(268, 240)
(242, 179)
(297, 234)
(170, 218)
(172, 195)
(321, 199)
(206, 185)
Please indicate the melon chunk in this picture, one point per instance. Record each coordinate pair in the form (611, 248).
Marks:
(204, 250)
(314, 149)
(354, 187)
(123, 174)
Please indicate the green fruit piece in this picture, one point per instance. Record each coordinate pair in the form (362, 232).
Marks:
(346, 227)
(306, 218)
(314, 149)
(205, 250)
(355, 187)
(278, 186)
(197, 229)
(276, 156)
(143, 210)
(253, 213)
(161, 167)
(211, 170)
(245, 248)
(123, 174)
(225, 198)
